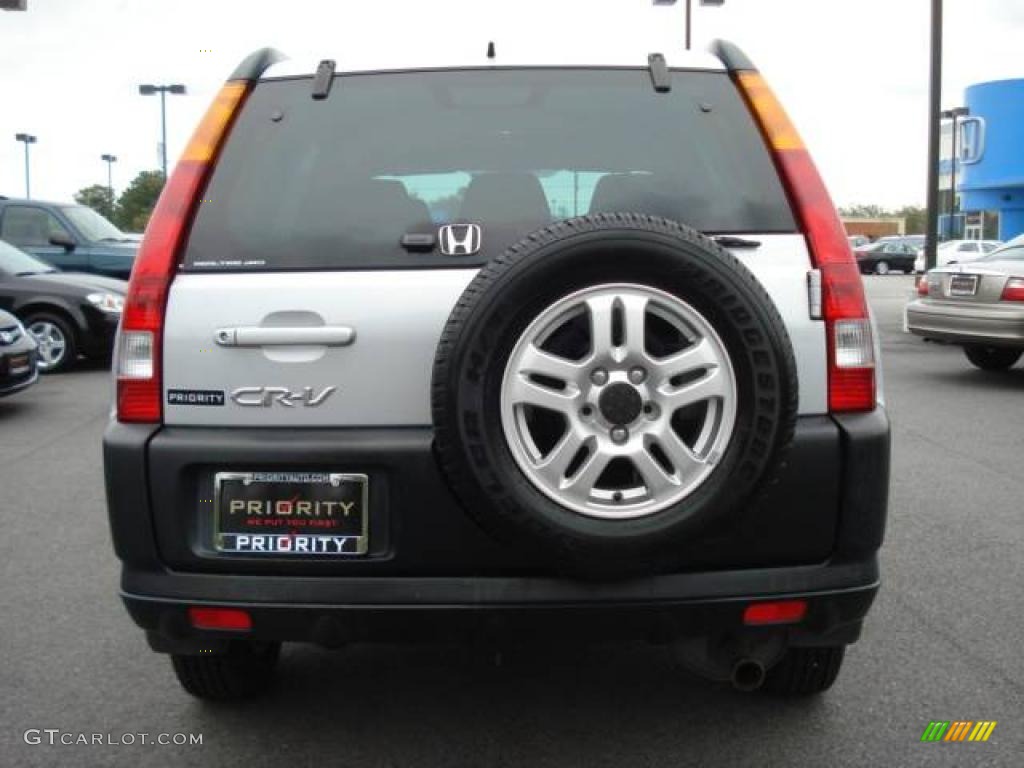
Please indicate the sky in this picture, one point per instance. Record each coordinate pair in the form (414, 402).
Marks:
(853, 75)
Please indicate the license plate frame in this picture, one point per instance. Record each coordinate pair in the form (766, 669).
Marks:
(963, 285)
(316, 532)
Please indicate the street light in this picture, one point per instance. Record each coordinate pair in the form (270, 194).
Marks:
(934, 118)
(163, 90)
(953, 114)
(689, 12)
(26, 139)
(110, 160)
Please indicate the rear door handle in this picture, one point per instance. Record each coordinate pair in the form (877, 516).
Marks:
(260, 336)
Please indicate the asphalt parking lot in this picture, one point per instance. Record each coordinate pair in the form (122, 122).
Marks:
(943, 641)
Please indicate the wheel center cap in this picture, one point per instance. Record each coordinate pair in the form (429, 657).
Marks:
(620, 403)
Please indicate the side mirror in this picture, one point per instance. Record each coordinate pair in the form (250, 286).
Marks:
(64, 241)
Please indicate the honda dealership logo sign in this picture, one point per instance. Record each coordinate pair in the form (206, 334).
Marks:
(972, 140)
(459, 239)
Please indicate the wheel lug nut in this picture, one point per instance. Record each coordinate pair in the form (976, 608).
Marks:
(619, 434)
(599, 376)
(585, 411)
(637, 375)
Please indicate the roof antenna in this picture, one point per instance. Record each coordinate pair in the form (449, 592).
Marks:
(490, 50)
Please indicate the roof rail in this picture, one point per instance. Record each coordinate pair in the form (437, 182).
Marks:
(730, 54)
(256, 63)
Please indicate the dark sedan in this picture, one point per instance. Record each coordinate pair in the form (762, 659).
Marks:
(66, 313)
(885, 256)
(17, 356)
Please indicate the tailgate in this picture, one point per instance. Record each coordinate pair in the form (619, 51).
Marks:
(280, 378)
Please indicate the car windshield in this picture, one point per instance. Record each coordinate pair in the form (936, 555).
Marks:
(15, 262)
(874, 246)
(92, 225)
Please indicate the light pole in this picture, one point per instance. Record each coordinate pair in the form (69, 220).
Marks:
(163, 90)
(27, 139)
(110, 160)
(954, 115)
(689, 13)
(934, 120)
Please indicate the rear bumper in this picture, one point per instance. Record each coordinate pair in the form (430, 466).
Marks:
(332, 612)
(967, 324)
(437, 574)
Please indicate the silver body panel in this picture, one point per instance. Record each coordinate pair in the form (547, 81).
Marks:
(383, 376)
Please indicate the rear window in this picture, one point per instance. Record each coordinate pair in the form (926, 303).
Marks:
(336, 183)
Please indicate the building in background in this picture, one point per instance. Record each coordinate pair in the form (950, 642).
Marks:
(874, 228)
(989, 164)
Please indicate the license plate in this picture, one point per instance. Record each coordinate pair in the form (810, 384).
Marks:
(18, 364)
(299, 514)
(963, 285)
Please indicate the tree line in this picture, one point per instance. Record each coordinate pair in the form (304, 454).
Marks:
(130, 211)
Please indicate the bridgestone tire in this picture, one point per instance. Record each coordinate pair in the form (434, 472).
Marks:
(554, 262)
(245, 670)
(805, 671)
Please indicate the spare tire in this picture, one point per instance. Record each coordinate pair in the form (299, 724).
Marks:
(609, 388)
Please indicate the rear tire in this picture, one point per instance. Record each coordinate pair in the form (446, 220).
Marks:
(992, 358)
(244, 670)
(805, 671)
(882, 268)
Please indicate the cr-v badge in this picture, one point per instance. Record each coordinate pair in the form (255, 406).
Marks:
(459, 239)
(264, 397)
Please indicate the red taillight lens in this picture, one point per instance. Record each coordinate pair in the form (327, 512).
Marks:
(1013, 290)
(781, 612)
(139, 381)
(851, 380)
(922, 285)
(219, 618)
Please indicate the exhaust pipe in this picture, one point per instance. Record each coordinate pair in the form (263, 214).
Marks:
(747, 675)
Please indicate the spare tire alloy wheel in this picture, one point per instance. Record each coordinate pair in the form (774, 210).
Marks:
(610, 389)
(618, 403)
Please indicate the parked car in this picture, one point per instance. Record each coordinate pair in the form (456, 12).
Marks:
(886, 255)
(66, 313)
(957, 252)
(17, 356)
(979, 306)
(343, 420)
(70, 237)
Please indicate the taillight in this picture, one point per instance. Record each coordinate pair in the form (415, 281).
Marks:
(851, 359)
(922, 285)
(1013, 290)
(139, 381)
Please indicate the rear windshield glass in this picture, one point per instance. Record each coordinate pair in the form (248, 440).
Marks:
(336, 183)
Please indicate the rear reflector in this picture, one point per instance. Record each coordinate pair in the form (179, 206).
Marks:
(842, 289)
(922, 285)
(782, 612)
(1014, 290)
(219, 618)
(139, 379)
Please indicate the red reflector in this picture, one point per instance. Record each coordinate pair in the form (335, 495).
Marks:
(138, 400)
(782, 612)
(219, 618)
(922, 285)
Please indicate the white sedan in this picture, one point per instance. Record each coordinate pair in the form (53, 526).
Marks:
(957, 252)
